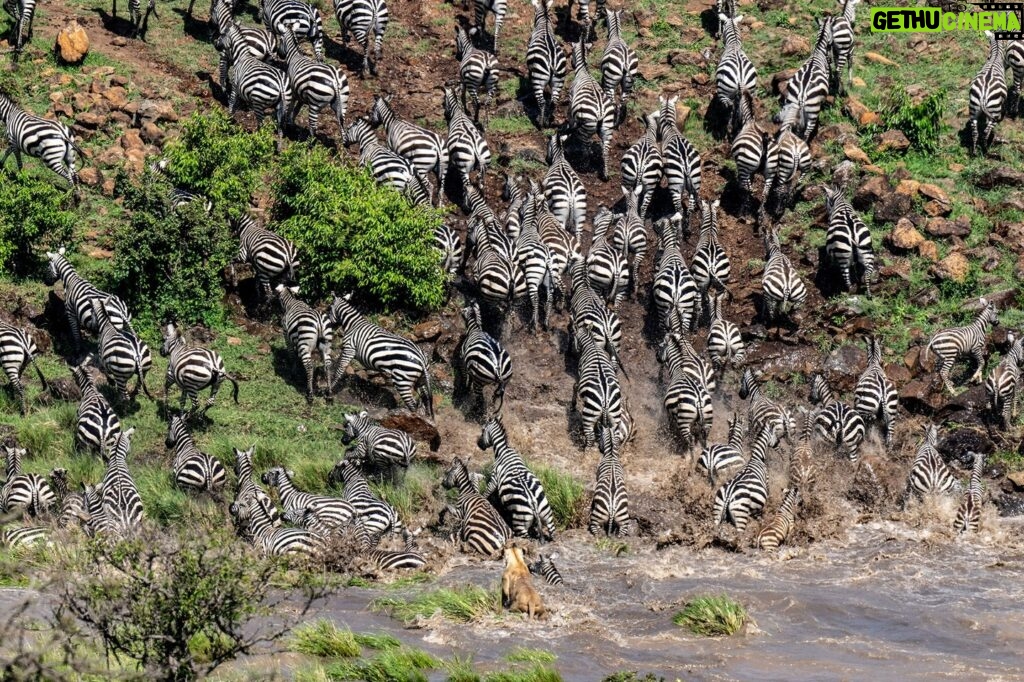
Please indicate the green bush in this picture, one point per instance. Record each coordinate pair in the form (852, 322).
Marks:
(168, 263)
(921, 123)
(34, 217)
(355, 235)
(215, 158)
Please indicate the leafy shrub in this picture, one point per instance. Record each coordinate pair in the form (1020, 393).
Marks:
(168, 263)
(34, 217)
(354, 234)
(219, 160)
(921, 123)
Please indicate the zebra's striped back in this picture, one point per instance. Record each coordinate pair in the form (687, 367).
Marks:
(424, 149)
(262, 87)
(783, 288)
(374, 517)
(478, 70)
(18, 350)
(744, 497)
(315, 84)
(30, 493)
(681, 162)
(786, 158)
(545, 61)
(875, 395)
(847, 240)
(968, 514)
(122, 505)
(724, 342)
(987, 96)
(22, 11)
(837, 423)
(257, 517)
(387, 167)
(467, 148)
(484, 359)
(675, 293)
(806, 90)
(78, 296)
(481, 527)
(193, 369)
(50, 141)
(609, 508)
(841, 40)
(377, 448)
(1002, 386)
(286, 17)
(948, 345)
(484, 7)
(598, 396)
(564, 191)
(364, 19)
(247, 486)
(194, 470)
(307, 330)
(722, 459)
(619, 64)
(271, 256)
(589, 315)
(122, 355)
(329, 513)
(929, 474)
(775, 532)
(520, 492)
(763, 415)
(642, 165)
(97, 425)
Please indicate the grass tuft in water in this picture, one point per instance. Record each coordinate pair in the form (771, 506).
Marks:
(405, 664)
(537, 673)
(566, 496)
(460, 604)
(632, 676)
(712, 616)
(324, 639)
(379, 640)
(525, 655)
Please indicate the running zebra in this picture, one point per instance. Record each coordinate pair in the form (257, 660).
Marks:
(764, 415)
(272, 257)
(51, 141)
(781, 285)
(803, 460)
(710, 264)
(847, 240)
(590, 113)
(18, 350)
(377, 448)
(546, 569)
(449, 246)
(929, 474)
(119, 496)
(619, 66)
(807, 89)
(562, 244)
(22, 11)
(875, 395)
(193, 369)
(136, 18)
(534, 264)
(609, 508)
(317, 85)
(608, 263)
(495, 272)
(363, 18)
(598, 396)
(478, 70)
(294, 18)
(194, 470)
(948, 345)
(484, 360)
(1013, 59)
(305, 330)
(675, 293)
(377, 349)
(261, 87)
(630, 237)
(246, 483)
(745, 495)
(1002, 386)
(986, 98)
(564, 191)
(842, 42)
(424, 149)
(687, 396)
(387, 167)
(725, 344)
(499, 8)
(22, 536)
(545, 61)
(71, 506)
(261, 42)
(326, 513)
(97, 425)
(121, 354)
(775, 532)
(589, 315)
(519, 491)
(479, 525)
(374, 517)
(787, 158)
(680, 161)
(838, 423)
(749, 148)
(29, 493)
(735, 77)
(723, 459)
(256, 520)
(642, 165)
(467, 148)
(968, 514)
(78, 296)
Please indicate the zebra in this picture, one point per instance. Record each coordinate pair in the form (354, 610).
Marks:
(710, 264)
(272, 257)
(119, 496)
(589, 315)
(449, 246)
(875, 396)
(136, 18)
(608, 263)
(724, 344)
(424, 149)
(968, 514)
(837, 422)
(564, 192)
(681, 164)
(630, 236)
(642, 165)
(327, 513)
(260, 86)
(735, 76)
(22, 11)
(598, 396)
(480, 526)
(1013, 58)
(545, 568)
(408, 557)
(315, 84)
(929, 474)
(948, 345)
(71, 505)
(50, 141)
(305, 330)
(676, 354)
(78, 295)
(363, 18)
(121, 354)
(562, 245)
(247, 486)
(18, 350)
(256, 520)
(30, 493)
(786, 159)
(848, 240)
(261, 42)
(722, 459)
(688, 402)
(1002, 386)
(478, 69)
(841, 41)
(619, 66)
(97, 425)
(749, 148)
(293, 18)
(584, 18)
(534, 264)
(374, 517)
(803, 468)
(745, 495)
(467, 148)
(782, 287)
(675, 293)
(590, 113)
(377, 448)
(193, 369)
(194, 470)
(609, 508)
(545, 62)
(764, 415)
(495, 271)
(499, 8)
(986, 97)
(517, 488)
(377, 349)
(484, 360)
(809, 86)
(23, 536)
(775, 532)
(387, 167)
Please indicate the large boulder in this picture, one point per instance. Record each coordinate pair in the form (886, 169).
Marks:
(72, 43)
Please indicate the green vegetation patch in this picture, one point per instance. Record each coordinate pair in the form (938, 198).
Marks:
(402, 663)
(324, 639)
(34, 216)
(712, 616)
(566, 496)
(459, 604)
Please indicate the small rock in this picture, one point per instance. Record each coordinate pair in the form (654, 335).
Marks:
(893, 207)
(700, 78)
(415, 425)
(108, 186)
(905, 236)
(794, 45)
(900, 268)
(118, 79)
(152, 134)
(908, 187)
(90, 176)
(98, 253)
(72, 43)
(879, 59)
(934, 192)
(1017, 479)
(855, 154)
(894, 140)
(868, 118)
(117, 96)
(234, 341)
(929, 250)
(988, 256)
(91, 120)
(855, 108)
(940, 227)
(858, 82)
(132, 140)
(427, 331)
(956, 167)
(119, 41)
(937, 208)
(135, 161)
(119, 118)
(954, 267)
(1001, 176)
(870, 192)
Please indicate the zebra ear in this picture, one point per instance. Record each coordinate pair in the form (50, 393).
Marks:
(61, 251)
(364, 414)
(737, 19)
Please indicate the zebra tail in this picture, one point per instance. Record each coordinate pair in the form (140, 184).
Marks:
(615, 356)
(142, 382)
(426, 392)
(39, 373)
(234, 386)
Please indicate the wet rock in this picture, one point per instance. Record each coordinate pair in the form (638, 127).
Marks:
(893, 207)
(955, 446)
(873, 189)
(953, 267)
(940, 227)
(417, 426)
(904, 236)
(72, 43)
(794, 45)
(893, 140)
(1001, 176)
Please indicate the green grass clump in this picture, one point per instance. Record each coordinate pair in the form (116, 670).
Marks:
(536, 673)
(632, 676)
(324, 639)
(566, 496)
(377, 640)
(404, 663)
(459, 604)
(525, 655)
(712, 616)
(1012, 460)
(414, 493)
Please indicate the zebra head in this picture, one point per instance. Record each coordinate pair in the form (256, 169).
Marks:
(471, 315)
(59, 482)
(456, 473)
(340, 310)
(82, 376)
(492, 432)
(832, 194)
(820, 390)
(176, 431)
(931, 435)
(171, 340)
(354, 425)
(748, 383)
(273, 477)
(989, 313)
(54, 266)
